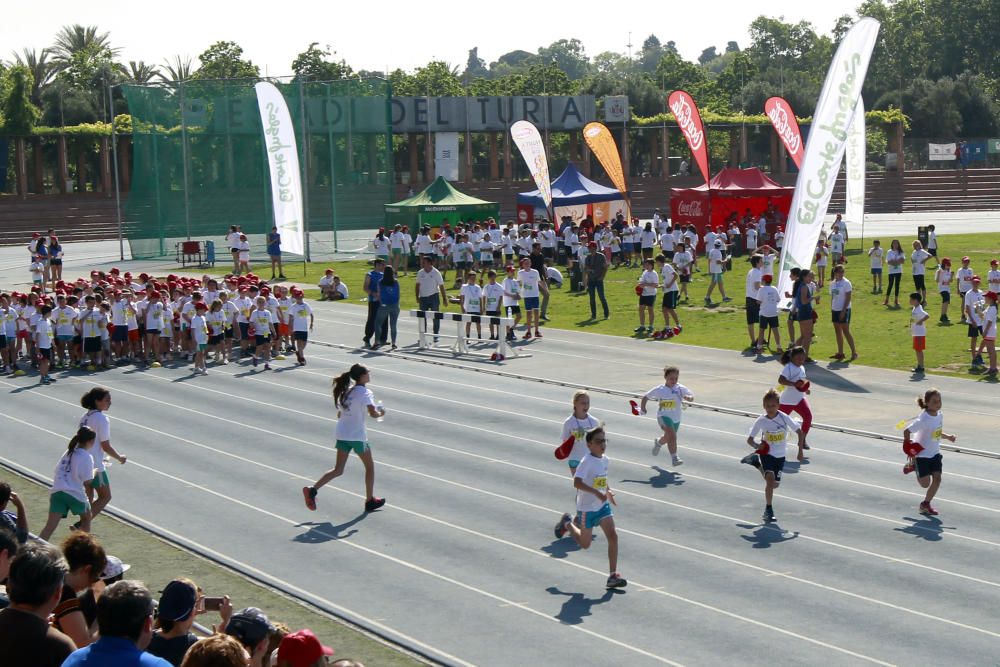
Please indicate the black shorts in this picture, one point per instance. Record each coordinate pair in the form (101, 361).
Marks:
(215, 339)
(120, 334)
(670, 300)
(513, 310)
(78, 340)
(773, 464)
(153, 332)
(945, 297)
(974, 330)
(244, 330)
(753, 310)
(3, 340)
(262, 340)
(685, 278)
(548, 252)
(926, 466)
(649, 300)
(768, 322)
(918, 282)
(301, 335)
(835, 316)
(804, 314)
(932, 252)
(92, 344)
(229, 333)
(493, 313)
(669, 254)
(44, 353)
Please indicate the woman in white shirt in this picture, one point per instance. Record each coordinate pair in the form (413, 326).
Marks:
(841, 292)
(70, 481)
(895, 259)
(353, 403)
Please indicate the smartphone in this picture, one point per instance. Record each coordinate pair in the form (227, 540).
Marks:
(212, 604)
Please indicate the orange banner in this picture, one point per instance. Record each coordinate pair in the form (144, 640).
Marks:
(599, 138)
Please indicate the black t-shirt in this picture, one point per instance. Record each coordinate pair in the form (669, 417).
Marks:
(28, 641)
(172, 650)
(538, 263)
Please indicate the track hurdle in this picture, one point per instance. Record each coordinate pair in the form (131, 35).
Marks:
(461, 345)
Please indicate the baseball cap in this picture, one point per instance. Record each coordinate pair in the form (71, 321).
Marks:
(991, 295)
(249, 625)
(177, 601)
(993, 262)
(768, 278)
(592, 244)
(302, 649)
(509, 267)
(976, 279)
(966, 259)
(114, 567)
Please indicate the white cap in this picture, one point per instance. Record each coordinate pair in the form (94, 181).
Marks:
(114, 567)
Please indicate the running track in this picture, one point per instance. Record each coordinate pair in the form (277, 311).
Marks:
(462, 563)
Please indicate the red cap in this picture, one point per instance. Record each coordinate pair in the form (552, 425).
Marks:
(767, 279)
(200, 306)
(35, 235)
(592, 244)
(965, 259)
(115, 270)
(976, 279)
(302, 649)
(991, 295)
(993, 262)
(509, 267)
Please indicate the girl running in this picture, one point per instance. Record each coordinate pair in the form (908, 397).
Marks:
(352, 403)
(71, 484)
(769, 453)
(97, 401)
(922, 443)
(668, 397)
(576, 426)
(593, 504)
(793, 398)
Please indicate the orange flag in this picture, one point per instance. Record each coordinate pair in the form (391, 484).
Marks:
(600, 141)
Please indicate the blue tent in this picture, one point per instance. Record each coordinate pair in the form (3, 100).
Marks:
(571, 189)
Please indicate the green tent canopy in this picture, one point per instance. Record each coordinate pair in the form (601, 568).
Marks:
(438, 202)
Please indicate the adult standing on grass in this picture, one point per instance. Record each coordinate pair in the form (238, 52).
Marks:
(753, 282)
(97, 401)
(274, 252)
(388, 308)
(429, 289)
(372, 279)
(841, 292)
(353, 403)
(802, 304)
(595, 267)
(233, 239)
(895, 259)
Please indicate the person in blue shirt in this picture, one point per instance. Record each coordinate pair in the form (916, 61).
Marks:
(372, 280)
(274, 252)
(388, 307)
(125, 621)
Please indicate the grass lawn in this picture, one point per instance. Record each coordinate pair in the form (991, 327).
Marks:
(882, 334)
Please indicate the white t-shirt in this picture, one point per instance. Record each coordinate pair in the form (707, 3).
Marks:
(43, 333)
(926, 430)
(647, 238)
(351, 425)
(92, 321)
(493, 293)
(529, 280)
(243, 305)
(895, 256)
(989, 322)
(973, 302)
(471, 295)
(682, 260)
(754, 277)
(944, 280)
(668, 400)
(199, 329)
(774, 431)
(876, 254)
(511, 292)
(751, 238)
(548, 238)
(71, 472)
(918, 261)
(233, 239)
(715, 264)
(837, 243)
(649, 280)
(669, 278)
(154, 316)
(381, 245)
(423, 245)
(578, 429)
(931, 241)
(769, 299)
(554, 275)
(244, 250)
(396, 241)
(667, 242)
(262, 321)
(65, 319)
(964, 280)
(792, 373)
(99, 423)
(839, 289)
(429, 282)
(917, 326)
(767, 264)
(216, 322)
(299, 314)
(993, 279)
(594, 473)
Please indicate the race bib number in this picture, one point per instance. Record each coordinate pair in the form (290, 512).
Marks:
(668, 404)
(601, 483)
(776, 437)
(936, 434)
(579, 434)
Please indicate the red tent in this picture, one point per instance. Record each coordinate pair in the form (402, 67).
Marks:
(731, 190)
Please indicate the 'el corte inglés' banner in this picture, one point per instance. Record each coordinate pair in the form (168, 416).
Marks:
(689, 120)
(854, 209)
(283, 161)
(780, 113)
(599, 138)
(529, 142)
(825, 148)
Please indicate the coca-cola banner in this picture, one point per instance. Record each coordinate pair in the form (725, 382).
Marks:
(825, 148)
(689, 120)
(787, 127)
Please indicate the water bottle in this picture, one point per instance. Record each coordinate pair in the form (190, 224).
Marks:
(381, 416)
(107, 461)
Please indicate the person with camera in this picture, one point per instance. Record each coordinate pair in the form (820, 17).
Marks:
(181, 602)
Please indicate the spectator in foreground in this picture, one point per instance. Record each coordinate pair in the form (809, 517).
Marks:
(17, 523)
(251, 627)
(113, 572)
(125, 620)
(34, 584)
(180, 602)
(302, 649)
(8, 549)
(216, 651)
(86, 560)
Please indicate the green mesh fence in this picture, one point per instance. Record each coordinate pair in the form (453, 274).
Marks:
(199, 164)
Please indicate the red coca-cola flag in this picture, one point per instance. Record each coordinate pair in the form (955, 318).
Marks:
(689, 120)
(783, 120)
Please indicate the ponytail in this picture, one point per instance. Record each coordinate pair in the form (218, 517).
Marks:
(786, 356)
(82, 437)
(89, 400)
(342, 382)
(930, 393)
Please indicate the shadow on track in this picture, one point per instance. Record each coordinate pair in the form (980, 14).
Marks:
(578, 605)
(661, 480)
(767, 535)
(326, 531)
(926, 527)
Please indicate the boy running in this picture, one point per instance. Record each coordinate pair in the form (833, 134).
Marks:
(769, 454)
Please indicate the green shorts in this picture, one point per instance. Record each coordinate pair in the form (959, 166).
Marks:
(202, 347)
(667, 422)
(100, 479)
(62, 503)
(397, 251)
(716, 278)
(357, 446)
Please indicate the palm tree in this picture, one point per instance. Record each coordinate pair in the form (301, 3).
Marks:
(74, 38)
(41, 69)
(139, 72)
(178, 69)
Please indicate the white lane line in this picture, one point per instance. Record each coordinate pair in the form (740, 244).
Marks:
(271, 405)
(455, 582)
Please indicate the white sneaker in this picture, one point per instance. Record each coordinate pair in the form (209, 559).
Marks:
(677, 461)
(656, 446)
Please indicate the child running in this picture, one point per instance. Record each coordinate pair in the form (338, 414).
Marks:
(71, 482)
(577, 425)
(793, 398)
(593, 504)
(922, 443)
(769, 454)
(96, 402)
(352, 403)
(668, 414)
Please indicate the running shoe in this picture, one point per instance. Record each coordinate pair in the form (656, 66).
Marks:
(374, 504)
(255, 361)
(908, 468)
(768, 515)
(656, 446)
(527, 336)
(561, 527)
(91, 368)
(309, 495)
(45, 380)
(925, 508)
(727, 298)
(267, 366)
(538, 334)
(751, 460)
(638, 330)
(918, 369)
(616, 581)
(677, 461)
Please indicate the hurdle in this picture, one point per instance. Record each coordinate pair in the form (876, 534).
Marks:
(461, 345)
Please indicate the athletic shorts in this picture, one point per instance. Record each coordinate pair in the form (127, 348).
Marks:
(152, 332)
(133, 334)
(262, 340)
(926, 466)
(667, 422)
(63, 504)
(100, 478)
(919, 343)
(670, 299)
(44, 353)
(493, 313)
(513, 310)
(932, 252)
(773, 464)
(283, 329)
(356, 446)
(592, 520)
(768, 322)
(461, 266)
(685, 278)
(229, 332)
(804, 314)
(647, 300)
(397, 251)
(120, 334)
(92, 344)
(835, 316)
(302, 335)
(531, 303)
(215, 339)
(65, 338)
(202, 346)
(945, 297)
(753, 310)
(3, 341)
(716, 278)
(244, 330)
(548, 252)
(877, 272)
(384, 258)
(24, 333)
(918, 282)
(974, 330)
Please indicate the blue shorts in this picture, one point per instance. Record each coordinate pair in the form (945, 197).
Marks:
(531, 303)
(120, 334)
(876, 272)
(590, 520)
(574, 463)
(667, 422)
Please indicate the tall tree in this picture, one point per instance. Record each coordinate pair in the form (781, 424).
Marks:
(315, 64)
(19, 113)
(139, 72)
(569, 55)
(42, 70)
(475, 67)
(179, 68)
(708, 55)
(224, 60)
(72, 39)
